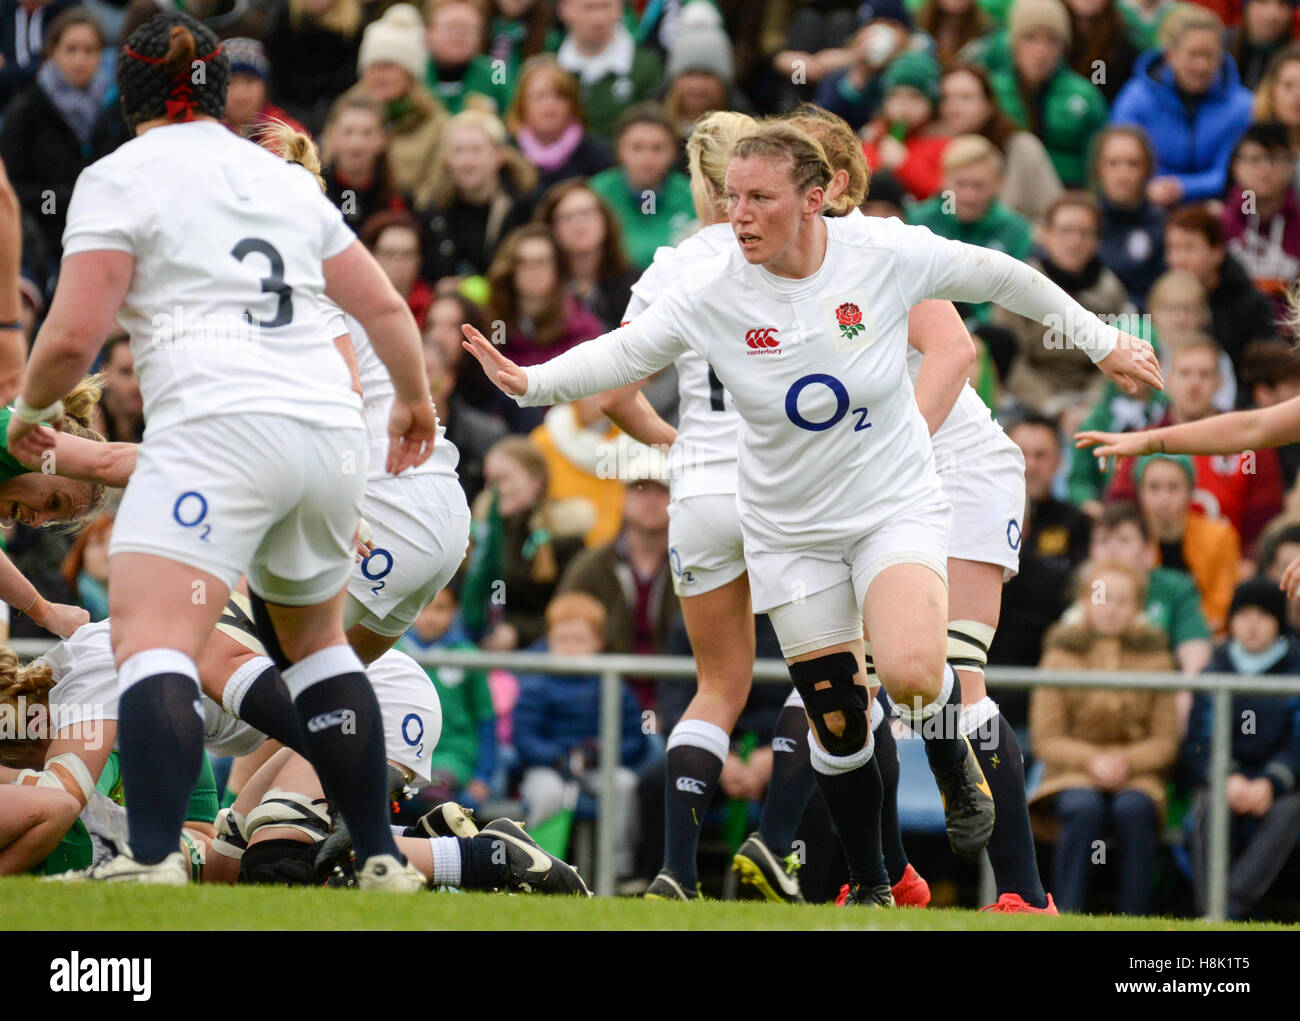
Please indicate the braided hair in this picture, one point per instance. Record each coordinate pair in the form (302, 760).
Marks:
(172, 66)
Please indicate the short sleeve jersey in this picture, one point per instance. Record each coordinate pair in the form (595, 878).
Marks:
(222, 307)
(702, 461)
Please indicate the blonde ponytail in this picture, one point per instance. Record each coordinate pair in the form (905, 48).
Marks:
(708, 151)
(292, 146)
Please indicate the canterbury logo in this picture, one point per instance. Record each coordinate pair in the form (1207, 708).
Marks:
(783, 744)
(689, 785)
(345, 718)
(764, 338)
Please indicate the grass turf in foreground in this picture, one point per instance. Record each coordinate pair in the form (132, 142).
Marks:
(27, 903)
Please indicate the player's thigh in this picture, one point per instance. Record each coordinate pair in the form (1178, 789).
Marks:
(156, 603)
(906, 614)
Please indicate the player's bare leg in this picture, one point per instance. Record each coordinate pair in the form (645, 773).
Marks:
(906, 613)
(720, 625)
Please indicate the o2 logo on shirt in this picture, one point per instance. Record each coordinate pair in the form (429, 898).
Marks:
(413, 732)
(189, 510)
(376, 567)
(841, 395)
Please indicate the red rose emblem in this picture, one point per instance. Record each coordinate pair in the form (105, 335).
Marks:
(848, 314)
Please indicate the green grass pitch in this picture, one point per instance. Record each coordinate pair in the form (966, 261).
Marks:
(27, 903)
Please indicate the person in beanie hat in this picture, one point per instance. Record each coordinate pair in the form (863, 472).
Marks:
(1261, 788)
(1042, 95)
(392, 64)
(906, 138)
(700, 69)
(249, 110)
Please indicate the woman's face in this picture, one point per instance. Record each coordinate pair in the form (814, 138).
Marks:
(1196, 60)
(698, 93)
(1086, 8)
(36, 499)
(578, 222)
(1122, 170)
(536, 274)
(1178, 315)
(454, 34)
(1111, 603)
(1267, 21)
(1286, 94)
(385, 82)
(1071, 239)
(964, 107)
(1037, 56)
(517, 490)
(443, 329)
(359, 138)
(1165, 497)
(547, 111)
(473, 159)
(397, 250)
(77, 55)
(245, 97)
(646, 152)
(764, 207)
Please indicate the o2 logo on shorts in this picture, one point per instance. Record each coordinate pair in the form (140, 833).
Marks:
(1013, 533)
(675, 559)
(382, 562)
(841, 395)
(417, 740)
(189, 510)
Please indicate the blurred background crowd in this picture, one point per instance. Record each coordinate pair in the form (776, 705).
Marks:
(515, 164)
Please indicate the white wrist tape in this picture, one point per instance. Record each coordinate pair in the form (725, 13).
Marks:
(35, 416)
(70, 761)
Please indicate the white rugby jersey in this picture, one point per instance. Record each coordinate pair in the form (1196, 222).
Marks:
(377, 392)
(228, 241)
(85, 689)
(702, 461)
(831, 441)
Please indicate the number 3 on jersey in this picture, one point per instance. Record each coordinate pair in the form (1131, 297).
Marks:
(838, 391)
(273, 284)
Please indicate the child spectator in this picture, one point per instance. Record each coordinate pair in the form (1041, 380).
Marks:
(1105, 750)
(1051, 374)
(312, 46)
(546, 120)
(1239, 313)
(458, 72)
(970, 107)
(1261, 216)
(394, 240)
(906, 138)
(1132, 226)
(557, 727)
(85, 568)
(1040, 92)
(521, 542)
(1172, 602)
(52, 127)
(591, 247)
(650, 198)
(356, 174)
(968, 209)
(1244, 490)
(478, 193)
(1207, 550)
(1189, 100)
(1267, 26)
(1261, 787)
(461, 768)
(539, 317)
(391, 62)
(613, 72)
(249, 110)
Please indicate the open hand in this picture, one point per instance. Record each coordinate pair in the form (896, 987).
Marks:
(509, 377)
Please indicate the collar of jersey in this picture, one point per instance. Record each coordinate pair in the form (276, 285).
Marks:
(787, 289)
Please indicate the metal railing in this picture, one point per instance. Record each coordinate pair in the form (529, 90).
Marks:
(612, 669)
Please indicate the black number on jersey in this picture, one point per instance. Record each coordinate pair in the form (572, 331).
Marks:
(273, 284)
(715, 392)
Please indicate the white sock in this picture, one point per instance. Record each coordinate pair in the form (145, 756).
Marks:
(446, 861)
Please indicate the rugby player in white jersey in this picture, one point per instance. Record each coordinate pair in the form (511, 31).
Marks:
(841, 508)
(213, 253)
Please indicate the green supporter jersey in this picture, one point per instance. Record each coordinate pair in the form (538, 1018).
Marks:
(649, 220)
(466, 704)
(1072, 111)
(480, 79)
(1174, 605)
(9, 466)
(1001, 228)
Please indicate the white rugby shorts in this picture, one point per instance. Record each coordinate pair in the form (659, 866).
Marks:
(410, 708)
(986, 487)
(705, 546)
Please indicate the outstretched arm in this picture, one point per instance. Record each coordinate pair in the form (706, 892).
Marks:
(1219, 434)
(76, 457)
(935, 329)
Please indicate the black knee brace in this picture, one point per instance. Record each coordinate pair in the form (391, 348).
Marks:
(279, 863)
(843, 696)
(266, 632)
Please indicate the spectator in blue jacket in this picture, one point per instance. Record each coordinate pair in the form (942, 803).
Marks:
(1189, 99)
(557, 727)
(1132, 226)
(1261, 789)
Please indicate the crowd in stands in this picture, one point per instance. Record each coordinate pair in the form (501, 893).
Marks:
(516, 163)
